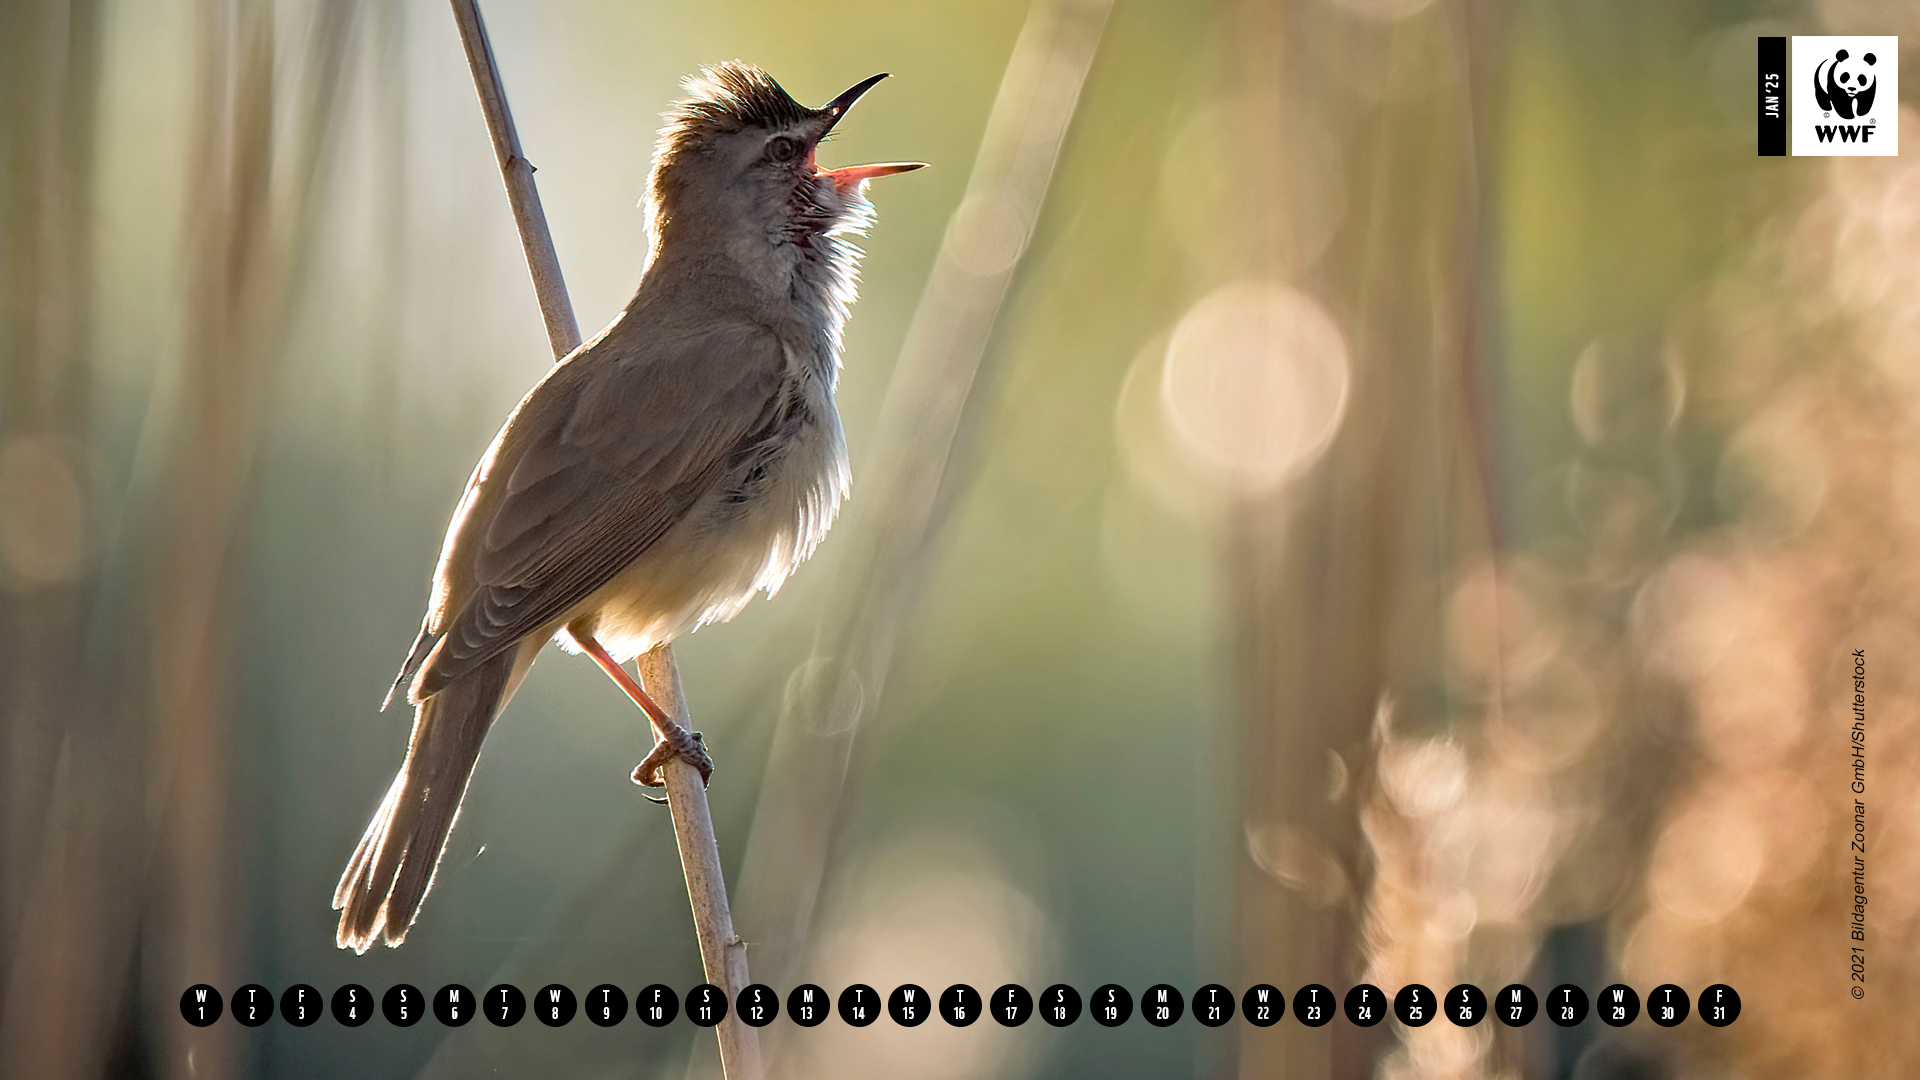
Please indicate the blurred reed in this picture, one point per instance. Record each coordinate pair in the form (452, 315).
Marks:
(908, 481)
(1801, 362)
(63, 940)
(253, 207)
(1330, 615)
(127, 863)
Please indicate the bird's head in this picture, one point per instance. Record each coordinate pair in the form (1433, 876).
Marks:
(735, 165)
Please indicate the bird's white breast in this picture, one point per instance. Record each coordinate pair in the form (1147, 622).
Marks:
(710, 564)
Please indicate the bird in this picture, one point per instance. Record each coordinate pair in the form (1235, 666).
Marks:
(686, 458)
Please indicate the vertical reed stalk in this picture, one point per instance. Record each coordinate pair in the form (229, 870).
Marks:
(722, 953)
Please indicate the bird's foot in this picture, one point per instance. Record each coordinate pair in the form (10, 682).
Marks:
(680, 743)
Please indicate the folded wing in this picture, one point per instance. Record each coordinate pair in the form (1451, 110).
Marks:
(610, 451)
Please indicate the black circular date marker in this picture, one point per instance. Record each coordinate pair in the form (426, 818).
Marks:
(1060, 1005)
(657, 1005)
(300, 1005)
(1515, 1005)
(1012, 1006)
(403, 1005)
(808, 1005)
(1719, 1005)
(1618, 1005)
(253, 1005)
(454, 1005)
(1162, 1005)
(1213, 1005)
(607, 1005)
(1466, 1005)
(352, 1005)
(1365, 1005)
(1567, 1005)
(1111, 1005)
(960, 1005)
(757, 1005)
(859, 1005)
(1414, 1005)
(908, 1005)
(1667, 1005)
(1313, 1005)
(554, 1005)
(505, 1005)
(706, 1005)
(1263, 1005)
(201, 1005)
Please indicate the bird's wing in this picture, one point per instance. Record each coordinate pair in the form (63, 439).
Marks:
(603, 457)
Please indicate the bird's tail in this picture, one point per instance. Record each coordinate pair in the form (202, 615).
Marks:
(394, 866)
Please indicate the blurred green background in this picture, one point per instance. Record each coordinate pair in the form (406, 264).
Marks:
(1345, 490)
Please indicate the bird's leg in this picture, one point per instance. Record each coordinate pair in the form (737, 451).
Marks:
(674, 741)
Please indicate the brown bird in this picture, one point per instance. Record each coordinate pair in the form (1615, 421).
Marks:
(661, 474)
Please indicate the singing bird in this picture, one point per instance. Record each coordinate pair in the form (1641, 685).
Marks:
(661, 474)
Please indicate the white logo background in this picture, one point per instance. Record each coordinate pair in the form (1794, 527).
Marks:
(1877, 134)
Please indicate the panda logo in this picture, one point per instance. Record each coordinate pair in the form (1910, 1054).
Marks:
(1843, 87)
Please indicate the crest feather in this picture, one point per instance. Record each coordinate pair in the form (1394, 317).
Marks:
(730, 96)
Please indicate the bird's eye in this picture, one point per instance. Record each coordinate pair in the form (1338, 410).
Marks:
(781, 148)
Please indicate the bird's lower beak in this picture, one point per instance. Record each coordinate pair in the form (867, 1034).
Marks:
(856, 174)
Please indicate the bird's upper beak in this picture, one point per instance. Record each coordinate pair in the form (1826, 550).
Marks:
(853, 175)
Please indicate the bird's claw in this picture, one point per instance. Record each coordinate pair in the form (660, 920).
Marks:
(681, 743)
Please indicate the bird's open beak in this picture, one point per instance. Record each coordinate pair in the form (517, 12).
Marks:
(853, 175)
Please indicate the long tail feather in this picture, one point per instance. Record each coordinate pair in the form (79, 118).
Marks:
(393, 868)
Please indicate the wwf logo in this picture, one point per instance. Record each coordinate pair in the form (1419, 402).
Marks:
(1845, 87)
(1835, 85)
